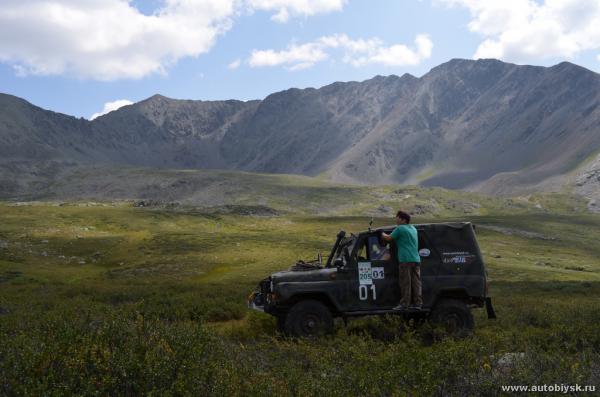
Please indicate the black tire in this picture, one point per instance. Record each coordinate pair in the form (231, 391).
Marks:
(281, 322)
(454, 316)
(309, 318)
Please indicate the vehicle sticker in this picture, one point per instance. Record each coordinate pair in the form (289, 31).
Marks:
(377, 273)
(363, 292)
(424, 252)
(365, 273)
(458, 258)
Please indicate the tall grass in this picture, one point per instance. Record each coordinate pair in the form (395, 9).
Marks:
(123, 301)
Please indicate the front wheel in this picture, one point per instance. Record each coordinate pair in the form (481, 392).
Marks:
(309, 318)
(454, 316)
(281, 319)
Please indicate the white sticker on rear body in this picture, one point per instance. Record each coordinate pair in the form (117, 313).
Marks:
(378, 273)
(365, 273)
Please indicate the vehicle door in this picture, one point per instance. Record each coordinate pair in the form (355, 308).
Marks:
(373, 280)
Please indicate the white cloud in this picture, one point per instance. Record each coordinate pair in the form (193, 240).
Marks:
(398, 54)
(296, 56)
(106, 39)
(355, 52)
(525, 30)
(286, 8)
(235, 64)
(111, 39)
(110, 106)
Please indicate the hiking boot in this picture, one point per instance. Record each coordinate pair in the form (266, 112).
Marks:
(415, 307)
(400, 307)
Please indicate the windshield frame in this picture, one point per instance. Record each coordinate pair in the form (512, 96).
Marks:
(347, 243)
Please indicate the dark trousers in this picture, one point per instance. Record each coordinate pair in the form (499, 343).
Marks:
(410, 284)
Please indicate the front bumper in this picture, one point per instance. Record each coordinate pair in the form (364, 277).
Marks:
(260, 298)
(256, 301)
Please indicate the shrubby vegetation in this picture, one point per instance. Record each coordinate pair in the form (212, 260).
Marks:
(131, 301)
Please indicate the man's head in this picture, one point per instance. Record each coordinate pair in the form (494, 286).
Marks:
(402, 218)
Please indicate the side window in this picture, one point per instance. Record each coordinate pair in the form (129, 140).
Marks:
(362, 254)
(378, 252)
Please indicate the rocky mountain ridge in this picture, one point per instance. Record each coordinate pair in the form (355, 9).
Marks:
(481, 125)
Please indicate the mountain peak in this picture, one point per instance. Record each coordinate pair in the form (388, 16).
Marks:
(461, 63)
(565, 66)
(8, 98)
(157, 98)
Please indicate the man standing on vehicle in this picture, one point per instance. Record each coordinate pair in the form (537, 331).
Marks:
(407, 244)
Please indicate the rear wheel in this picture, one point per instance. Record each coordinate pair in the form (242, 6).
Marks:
(454, 316)
(309, 318)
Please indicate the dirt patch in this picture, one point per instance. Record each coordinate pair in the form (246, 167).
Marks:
(255, 210)
(155, 204)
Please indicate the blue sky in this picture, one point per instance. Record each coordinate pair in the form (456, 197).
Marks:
(75, 56)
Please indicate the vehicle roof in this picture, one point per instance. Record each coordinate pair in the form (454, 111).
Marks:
(425, 226)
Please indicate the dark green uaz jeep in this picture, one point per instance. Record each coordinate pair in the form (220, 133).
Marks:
(360, 278)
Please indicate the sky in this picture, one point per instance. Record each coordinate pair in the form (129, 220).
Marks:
(87, 57)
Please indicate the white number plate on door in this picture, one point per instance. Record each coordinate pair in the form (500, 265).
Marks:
(365, 273)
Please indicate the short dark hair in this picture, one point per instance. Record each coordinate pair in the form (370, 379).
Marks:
(403, 215)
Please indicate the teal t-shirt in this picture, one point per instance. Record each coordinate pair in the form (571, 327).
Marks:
(407, 242)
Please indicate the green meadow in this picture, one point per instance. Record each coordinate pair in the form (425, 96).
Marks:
(110, 299)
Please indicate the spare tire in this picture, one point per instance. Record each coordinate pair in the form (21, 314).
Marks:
(309, 318)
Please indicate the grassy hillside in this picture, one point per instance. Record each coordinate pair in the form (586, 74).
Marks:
(112, 299)
(260, 193)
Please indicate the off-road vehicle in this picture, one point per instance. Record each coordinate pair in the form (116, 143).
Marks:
(360, 277)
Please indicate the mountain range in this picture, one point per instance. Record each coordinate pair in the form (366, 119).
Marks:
(482, 125)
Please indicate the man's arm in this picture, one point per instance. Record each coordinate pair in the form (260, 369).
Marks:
(388, 238)
(385, 237)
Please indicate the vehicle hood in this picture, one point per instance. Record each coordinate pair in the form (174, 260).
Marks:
(304, 276)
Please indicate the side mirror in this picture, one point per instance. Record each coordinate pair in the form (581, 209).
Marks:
(338, 262)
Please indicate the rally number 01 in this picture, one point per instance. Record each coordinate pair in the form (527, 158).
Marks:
(363, 292)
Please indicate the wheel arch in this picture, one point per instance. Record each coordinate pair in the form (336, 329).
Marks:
(459, 294)
(316, 296)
